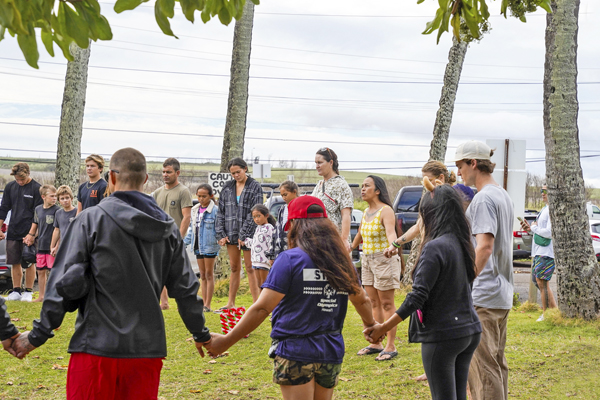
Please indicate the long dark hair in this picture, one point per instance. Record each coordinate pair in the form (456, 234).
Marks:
(320, 239)
(384, 197)
(238, 162)
(261, 208)
(329, 155)
(442, 213)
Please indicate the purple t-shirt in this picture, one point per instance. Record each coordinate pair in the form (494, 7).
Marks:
(310, 305)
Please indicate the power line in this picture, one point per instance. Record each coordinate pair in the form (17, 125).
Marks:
(221, 136)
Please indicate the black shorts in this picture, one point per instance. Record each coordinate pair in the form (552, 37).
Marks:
(241, 248)
(203, 256)
(14, 251)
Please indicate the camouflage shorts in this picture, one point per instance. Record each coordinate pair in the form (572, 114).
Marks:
(288, 372)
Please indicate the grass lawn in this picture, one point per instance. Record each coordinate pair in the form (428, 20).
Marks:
(548, 360)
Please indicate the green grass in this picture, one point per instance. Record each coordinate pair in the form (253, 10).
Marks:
(548, 360)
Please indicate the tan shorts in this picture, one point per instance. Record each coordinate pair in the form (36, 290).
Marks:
(380, 272)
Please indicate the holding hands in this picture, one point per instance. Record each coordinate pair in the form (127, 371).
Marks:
(217, 345)
(18, 345)
(375, 334)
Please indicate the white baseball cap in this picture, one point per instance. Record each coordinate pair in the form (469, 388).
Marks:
(472, 150)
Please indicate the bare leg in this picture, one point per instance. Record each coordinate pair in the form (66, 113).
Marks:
(209, 276)
(42, 278)
(235, 260)
(386, 297)
(377, 310)
(254, 288)
(30, 277)
(261, 277)
(543, 284)
(164, 299)
(200, 262)
(552, 303)
(17, 275)
(299, 392)
(322, 393)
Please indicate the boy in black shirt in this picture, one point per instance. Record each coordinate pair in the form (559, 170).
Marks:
(92, 192)
(21, 196)
(44, 221)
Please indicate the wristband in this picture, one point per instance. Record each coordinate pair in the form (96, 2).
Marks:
(30, 234)
(396, 245)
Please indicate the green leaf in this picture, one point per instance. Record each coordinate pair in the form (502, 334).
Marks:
(435, 24)
(28, 46)
(162, 20)
(472, 23)
(48, 42)
(224, 16)
(545, 4)
(93, 4)
(63, 42)
(257, 2)
(418, 1)
(124, 5)
(2, 30)
(205, 16)
(85, 14)
(168, 7)
(485, 13)
(189, 7)
(456, 26)
(77, 27)
(6, 14)
(103, 28)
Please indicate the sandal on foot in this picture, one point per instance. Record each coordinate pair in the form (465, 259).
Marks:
(368, 350)
(391, 354)
(207, 309)
(220, 310)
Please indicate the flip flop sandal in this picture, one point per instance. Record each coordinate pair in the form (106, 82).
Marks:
(391, 354)
(206, 309)
(220, 310)
(368, 350)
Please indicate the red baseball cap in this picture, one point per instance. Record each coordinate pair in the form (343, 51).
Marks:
(298, 209)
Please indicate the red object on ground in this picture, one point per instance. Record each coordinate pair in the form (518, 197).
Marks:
(91, 377)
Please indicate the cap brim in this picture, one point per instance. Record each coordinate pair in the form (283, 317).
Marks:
(287, 225)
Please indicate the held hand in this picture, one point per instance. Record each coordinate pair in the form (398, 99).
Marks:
(241, 243)
(224, 241)
(217, 345)
(53, 251)
(7, 344)
(2, 235)
(22, 346)
(375, 333)
(199, 347)
(390, 251)
(27, 240)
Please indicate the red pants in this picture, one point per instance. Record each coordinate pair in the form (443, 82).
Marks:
(101, 378)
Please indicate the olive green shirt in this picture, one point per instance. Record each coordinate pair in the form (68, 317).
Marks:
(172, 201)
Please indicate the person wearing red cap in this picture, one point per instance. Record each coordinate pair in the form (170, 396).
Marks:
(307, 290)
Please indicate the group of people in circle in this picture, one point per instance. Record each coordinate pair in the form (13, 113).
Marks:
(315, 231)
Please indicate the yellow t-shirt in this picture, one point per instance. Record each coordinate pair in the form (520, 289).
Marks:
(373, 234)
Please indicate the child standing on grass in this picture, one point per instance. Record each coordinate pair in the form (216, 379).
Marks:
(63, 217)
(43, 220)
(204, 240)
(261, 242)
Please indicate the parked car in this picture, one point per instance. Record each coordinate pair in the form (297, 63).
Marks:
(5, 269)
(593, 211)
(522, 239)
(406, 208)
(595, 231)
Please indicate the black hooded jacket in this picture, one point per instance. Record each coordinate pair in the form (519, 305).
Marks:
(7, 329)
(112, 266)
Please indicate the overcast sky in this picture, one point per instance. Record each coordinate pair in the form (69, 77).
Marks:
(330, 56)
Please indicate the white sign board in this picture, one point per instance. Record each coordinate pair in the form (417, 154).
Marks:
(516, 184)
(260, 171)
(217, 180)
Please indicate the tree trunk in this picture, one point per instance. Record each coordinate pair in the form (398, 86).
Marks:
(68, 157)
(237, 104)
(577, 270)
(441, 129)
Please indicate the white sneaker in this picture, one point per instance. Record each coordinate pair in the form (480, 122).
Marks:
(541, 318)
(26, 296)
(14, 296)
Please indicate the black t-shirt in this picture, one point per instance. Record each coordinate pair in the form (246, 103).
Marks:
(90, 194)
(62, 219)
(44, 218)
(21, 202)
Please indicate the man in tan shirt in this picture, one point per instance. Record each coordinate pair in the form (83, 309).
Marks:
(176, 200)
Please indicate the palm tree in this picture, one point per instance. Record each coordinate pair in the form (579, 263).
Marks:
(441, 128)
(237, 104)
(577, 270)
(68, 157)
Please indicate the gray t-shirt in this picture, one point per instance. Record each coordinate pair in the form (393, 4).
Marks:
(62, 219)
(491, 211)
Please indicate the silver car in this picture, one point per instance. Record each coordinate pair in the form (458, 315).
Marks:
(595, 232)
